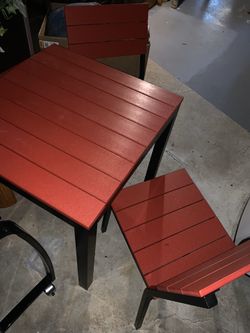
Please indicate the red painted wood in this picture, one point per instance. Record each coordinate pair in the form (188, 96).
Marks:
(106, 14)
(133, 195)
(72, 122)
(62, 165)
(59, 135)
(185, 250)
(159, 206)
(110, 48)
(50, 190)
(82, 106)
(179, 245)
(215, 273)
(71, 144)
(106, 32)
(159, 109)
(181, 265)
(141, 86)
(168, 225)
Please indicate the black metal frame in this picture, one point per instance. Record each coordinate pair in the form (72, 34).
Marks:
(85, 254)
(45, 285)
(207, 302)
(142, 66)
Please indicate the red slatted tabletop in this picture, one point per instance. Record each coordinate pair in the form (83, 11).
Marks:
(72, 131)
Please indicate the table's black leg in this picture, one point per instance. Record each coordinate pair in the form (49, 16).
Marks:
(158, 151)
(106, 218)
(85, 254)
(142, 66)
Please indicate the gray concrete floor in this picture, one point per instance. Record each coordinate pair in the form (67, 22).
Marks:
(206, 44)
(216, 152)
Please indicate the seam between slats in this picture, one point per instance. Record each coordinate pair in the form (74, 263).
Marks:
(59, 149)
(232, 255)
(170, 212)
(154, 197)
(176, 233)
(107, 77)
(103, 91)
(70, 110)
(84, 98)
(52, 173)
(174, 107)
(170, 262)
(107, 41)
(107, 23)
(218, 270)
(65, 128)
(82, 24)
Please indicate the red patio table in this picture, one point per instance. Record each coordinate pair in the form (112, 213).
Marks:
(72, 132)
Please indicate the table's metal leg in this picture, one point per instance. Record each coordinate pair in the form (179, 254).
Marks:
(106, 218)
(85, 254)
(158, 151)
(142, 66)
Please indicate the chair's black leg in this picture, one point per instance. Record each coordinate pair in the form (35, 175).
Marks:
(85, 254)
(142, 66)
(45, 285)
(145, 300)
(158, 151)
(105, 220)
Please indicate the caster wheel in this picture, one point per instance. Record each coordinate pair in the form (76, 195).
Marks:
(50, 290)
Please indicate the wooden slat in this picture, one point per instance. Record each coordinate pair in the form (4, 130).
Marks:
(106, 32)
(168, 225)
(133, 195)
(73, 122)
(213, 274)
(106, 14)
(172, 269)
(80, 105)
(156, 109)
(179, 245)
(110, 48)
(66, 199)
(69, 143)
(141, 86)
(107, 100)
(157, 207)
(58, 163)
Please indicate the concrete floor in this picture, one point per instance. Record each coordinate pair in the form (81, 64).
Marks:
(206, 44)
(216, 152)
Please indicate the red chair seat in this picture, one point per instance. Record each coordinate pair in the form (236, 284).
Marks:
(178, 243)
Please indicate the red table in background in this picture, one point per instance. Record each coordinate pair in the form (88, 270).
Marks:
(72, 132)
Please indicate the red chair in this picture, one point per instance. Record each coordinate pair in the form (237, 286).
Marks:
(180, 247)
(108, 31)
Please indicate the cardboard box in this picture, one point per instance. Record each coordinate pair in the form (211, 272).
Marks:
(45, 40)
(127, 64)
